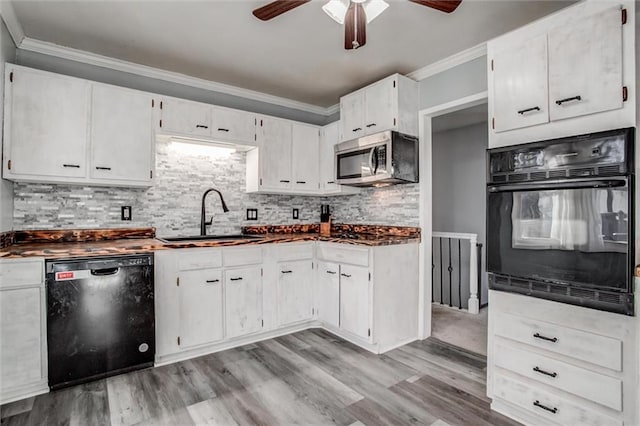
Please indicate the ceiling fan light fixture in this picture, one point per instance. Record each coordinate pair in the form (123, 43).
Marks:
(373, 8)
(336, 9)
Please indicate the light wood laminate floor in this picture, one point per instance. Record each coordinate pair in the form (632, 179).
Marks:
(310, 378)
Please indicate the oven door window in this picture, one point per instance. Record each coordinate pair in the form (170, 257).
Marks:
(578, 236)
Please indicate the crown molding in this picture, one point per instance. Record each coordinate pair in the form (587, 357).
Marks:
(12, 23)
(449, 62)
(51, 49)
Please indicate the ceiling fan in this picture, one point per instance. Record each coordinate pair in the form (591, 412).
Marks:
(354, 14)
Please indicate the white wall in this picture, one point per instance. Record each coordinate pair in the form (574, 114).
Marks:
(7, 54)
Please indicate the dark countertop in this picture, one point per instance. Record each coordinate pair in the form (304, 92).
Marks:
(88, 243)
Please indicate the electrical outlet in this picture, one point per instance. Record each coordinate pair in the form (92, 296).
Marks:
(125, 212)
(296, 213)
(252, 214)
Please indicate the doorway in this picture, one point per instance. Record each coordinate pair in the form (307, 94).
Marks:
(454, 138)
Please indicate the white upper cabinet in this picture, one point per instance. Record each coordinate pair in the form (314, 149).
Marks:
(328, 185)
(46, 124)
(304, 156)
(389, 104)
(520, 86)
(585, 65)
(122, 139)
(570, 73)
(274, 149)
(233, 125)
(185, 118)
(352, 115)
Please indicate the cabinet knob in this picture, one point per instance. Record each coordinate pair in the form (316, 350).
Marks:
(524, 111)
(573, 98)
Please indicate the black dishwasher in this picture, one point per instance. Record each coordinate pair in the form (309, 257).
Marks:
(100, 317)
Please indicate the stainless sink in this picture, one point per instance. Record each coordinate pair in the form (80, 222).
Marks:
(210, 237)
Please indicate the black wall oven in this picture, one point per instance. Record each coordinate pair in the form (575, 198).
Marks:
(560, 220)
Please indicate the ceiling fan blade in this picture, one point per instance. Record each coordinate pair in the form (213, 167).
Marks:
(355, 27)
(446, 6)
(277, 8)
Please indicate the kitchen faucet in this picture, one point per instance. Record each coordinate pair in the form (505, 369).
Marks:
(203, 222)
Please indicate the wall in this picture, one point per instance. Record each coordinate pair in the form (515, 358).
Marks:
(7, 54)
(458, 82)
(172, 205)
(119, 78)
(459, 202)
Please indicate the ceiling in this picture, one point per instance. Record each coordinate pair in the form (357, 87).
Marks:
(298, 55)
(461, 118)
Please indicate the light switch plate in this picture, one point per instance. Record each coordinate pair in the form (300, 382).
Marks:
(125, 213)
(296, 213)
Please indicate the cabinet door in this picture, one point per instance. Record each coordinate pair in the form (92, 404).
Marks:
(295, 291)
(352, 116)
(46, 124)
(20, 337)
(354, 300)
(328, 293)
(380, 113)
(200, 302)
(274, 143)
(520, 91)
(328, 139)
(121, 134)
(229, 124)
(585, 66)
(305, 164)
(186, 118)
(243, 297)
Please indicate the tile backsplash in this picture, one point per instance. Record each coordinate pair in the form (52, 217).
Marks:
(183, 172)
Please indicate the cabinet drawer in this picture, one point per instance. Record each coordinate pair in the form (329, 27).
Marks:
(200, 259)
(548, 405)
(18, 273)
(589, 347)
(294, 252)
(242, 256)
(339, 254)
(587, 384)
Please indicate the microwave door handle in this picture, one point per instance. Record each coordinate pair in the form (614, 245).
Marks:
(551, 185)
(371, 153)
(376, 160)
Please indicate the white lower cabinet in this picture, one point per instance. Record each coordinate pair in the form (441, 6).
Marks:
(295, 291)
(23, 341)
(200, 299)
(355, 303)
(553, 363)
(328, 293)
(243, 300)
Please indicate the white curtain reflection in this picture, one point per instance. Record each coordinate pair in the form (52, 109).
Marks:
(569, 220)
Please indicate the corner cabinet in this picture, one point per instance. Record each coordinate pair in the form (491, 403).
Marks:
(567, 74)
(23, 338)
(61, 129)
(389, 104)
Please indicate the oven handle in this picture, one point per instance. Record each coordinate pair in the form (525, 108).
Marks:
(561, 184)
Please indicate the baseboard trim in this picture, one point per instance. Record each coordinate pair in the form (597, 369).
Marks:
(22, 392)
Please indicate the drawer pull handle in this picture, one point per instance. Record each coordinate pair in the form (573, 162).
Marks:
(213, 281)
(548, 339)
(103, 168)
(546, 373)
(553, 410)
(220, 129)
(236, 279)
(286, 272)
(201, 126)
(331, 272)
(285, 181)
(346, 275)
(573, 98)
(524, 111)
(73, 166)
(301, 181)
(371, 125)
(357, 129)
